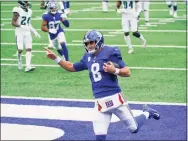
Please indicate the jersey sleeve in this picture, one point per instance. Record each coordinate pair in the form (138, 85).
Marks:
(80, 66)
(45, 17)
(117, 58)
(16, 9)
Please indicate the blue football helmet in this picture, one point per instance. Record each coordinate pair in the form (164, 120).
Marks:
(96, 36)
(52, 7)
(24, 5)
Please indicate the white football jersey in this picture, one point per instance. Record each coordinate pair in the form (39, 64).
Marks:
(129, 8)
(23, 19)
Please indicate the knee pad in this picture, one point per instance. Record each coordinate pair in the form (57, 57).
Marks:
(136, 34)
(126, 33)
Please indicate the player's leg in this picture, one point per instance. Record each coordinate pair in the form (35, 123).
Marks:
(169, 4)
(50, 45)
(19, 43)
(146, 12)
(134, 29)
(62, 41)
(28, 56)
(101, 124)
(135, 123)
(105, 5)
(175, 7)
(61, 5)
(67, 6)
(125, 26)
(139, 8)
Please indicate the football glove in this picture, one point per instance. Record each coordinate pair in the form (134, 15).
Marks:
(34, 32)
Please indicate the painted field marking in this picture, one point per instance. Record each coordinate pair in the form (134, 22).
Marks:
(118, 45)
(136, 68)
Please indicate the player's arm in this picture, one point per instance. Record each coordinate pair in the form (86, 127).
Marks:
(44, 26)
(42, 6)
(118, 4)
(110, 68)
(69, 66)
(64, 20)
(15, 18)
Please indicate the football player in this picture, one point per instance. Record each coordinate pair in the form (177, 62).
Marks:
(143, 5)
(22, 21)
(105, 5)
(44, 4)
(129, 19)
(172, 10)
(65, 6)
(109, 99)
(51, 24)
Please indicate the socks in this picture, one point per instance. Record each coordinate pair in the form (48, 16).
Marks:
(100, 137)
(50, 41)
(65, 51)
(146, 15)
(105, 6)
(28, 58)
(128, 41)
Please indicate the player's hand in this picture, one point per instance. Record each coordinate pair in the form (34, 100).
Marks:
(53, 31)
(109, 67)
(37, 34)
(50, 54)
(119, 11)
(64, 16)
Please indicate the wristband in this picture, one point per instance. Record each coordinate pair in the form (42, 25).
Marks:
(57, 60)
(117, 71)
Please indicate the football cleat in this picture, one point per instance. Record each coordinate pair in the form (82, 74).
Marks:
(28, 69)
(152, 113)
(131, 50)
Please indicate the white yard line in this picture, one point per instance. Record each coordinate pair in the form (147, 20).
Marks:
(118, 45)
(90, 100)
(96, 10)
(73, 3)
(136, 68)
(106, 30)
(37, 19)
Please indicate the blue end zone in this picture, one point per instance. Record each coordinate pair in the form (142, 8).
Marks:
(171, 126)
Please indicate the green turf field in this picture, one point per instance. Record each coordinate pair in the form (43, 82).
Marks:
(158, 72)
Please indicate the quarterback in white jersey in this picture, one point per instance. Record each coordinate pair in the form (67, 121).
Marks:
(21, 20)
(129, 20)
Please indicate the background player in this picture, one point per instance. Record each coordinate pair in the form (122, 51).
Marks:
(22, 21)
(51, 24)
(172, 6)
(129, 19)
(143, 5)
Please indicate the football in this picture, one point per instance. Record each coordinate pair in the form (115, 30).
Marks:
(115, 64)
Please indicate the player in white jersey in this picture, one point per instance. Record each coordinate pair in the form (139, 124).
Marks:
(21, 20)
(105, 5)
(172, 10)
(143, 5)
(129, 20)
